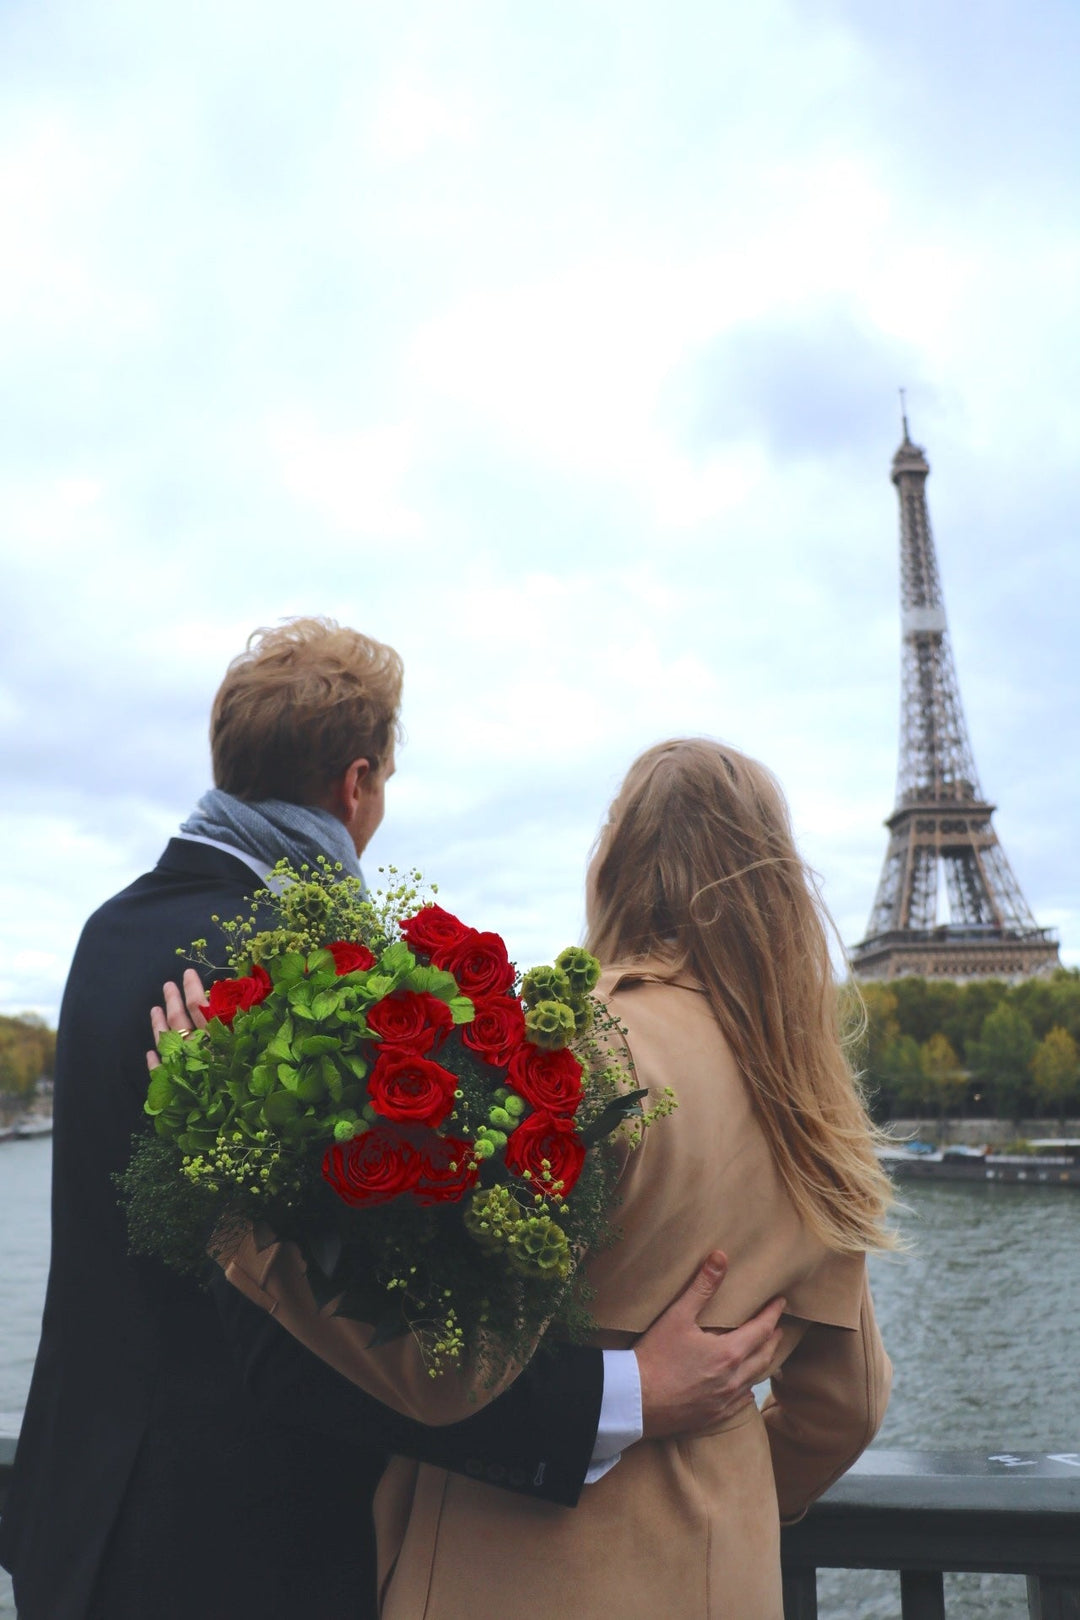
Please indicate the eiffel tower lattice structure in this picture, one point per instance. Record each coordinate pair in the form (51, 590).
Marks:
(943, 854)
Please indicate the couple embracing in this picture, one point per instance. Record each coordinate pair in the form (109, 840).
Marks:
(196, 1456)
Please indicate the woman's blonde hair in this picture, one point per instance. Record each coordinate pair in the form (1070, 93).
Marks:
(697, 867)
(298, 706)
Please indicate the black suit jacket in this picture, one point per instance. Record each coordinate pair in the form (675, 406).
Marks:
(167, 1468)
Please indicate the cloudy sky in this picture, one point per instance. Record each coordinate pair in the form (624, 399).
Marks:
(558, 346)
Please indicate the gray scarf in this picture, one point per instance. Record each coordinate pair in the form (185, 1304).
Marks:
(273, 829)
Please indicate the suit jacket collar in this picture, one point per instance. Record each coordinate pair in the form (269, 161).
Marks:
(182, 858)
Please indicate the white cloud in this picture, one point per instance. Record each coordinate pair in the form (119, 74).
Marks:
(354, 479)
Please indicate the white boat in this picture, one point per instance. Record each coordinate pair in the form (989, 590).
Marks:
(33, 1125)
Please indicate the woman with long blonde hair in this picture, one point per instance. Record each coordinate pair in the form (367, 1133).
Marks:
(714, 946)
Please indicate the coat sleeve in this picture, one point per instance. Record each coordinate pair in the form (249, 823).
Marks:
(275, 1277)
(826, 1404)
(536, 1439)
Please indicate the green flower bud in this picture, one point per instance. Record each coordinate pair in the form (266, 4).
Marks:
(306, 903)
(514, 1105)
(550, 1024)
(544, 984)
(483, 1148)
(500, 1117)
(541, 1246)
(580, 967)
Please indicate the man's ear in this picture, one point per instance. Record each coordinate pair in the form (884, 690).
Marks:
(348, 789)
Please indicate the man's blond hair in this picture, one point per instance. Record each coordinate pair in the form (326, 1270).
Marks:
(298, 706)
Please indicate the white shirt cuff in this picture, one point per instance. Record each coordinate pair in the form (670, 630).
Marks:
(620, 1422)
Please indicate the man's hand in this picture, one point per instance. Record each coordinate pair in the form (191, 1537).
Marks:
(182, 1011)
(693, 1378)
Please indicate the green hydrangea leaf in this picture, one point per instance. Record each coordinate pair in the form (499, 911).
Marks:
(316, 1045)
(286, 970)
(159, 1093)
(288, 1075)
(397, 960)
(280, 1108)
(378, 985)
(170, 1044)
(281, 1045)
(310, 1086)
(432, 981)
(261, 1080)
(325, 1004)
(462, 1010)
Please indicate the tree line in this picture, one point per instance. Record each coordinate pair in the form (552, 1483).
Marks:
(27, 1052)
(982, 1049)
(929, 1046)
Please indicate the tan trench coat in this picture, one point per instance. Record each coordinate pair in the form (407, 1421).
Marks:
(687, 1529)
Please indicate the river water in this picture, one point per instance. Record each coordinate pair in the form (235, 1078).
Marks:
(980, 1318)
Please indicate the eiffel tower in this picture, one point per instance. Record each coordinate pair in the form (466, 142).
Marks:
(943, 850)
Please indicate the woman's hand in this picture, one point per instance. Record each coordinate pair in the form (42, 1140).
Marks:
(183, 1011)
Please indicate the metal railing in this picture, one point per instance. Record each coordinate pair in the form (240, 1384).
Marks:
(924, 1513)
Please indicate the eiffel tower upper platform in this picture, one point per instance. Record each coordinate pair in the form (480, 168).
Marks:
(943, 851)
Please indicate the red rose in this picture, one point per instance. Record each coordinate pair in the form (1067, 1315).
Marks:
(542, 1137)
(412, 1020)
(551, 1081)
(230, 996)
(479, 963)
(406, 1087)
(373, 1168)
(350, 957)
(432, 929)
(447, 1170)
(497, 1030)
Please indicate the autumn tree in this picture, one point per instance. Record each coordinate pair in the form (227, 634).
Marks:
(1055, 1071)
(27, 1049)
(946, 1080)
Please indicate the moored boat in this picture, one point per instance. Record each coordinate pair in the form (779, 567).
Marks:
(1056, 1164)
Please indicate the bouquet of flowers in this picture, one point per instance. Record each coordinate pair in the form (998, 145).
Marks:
(376, 1084)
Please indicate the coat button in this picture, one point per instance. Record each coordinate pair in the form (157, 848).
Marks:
(495, 1472)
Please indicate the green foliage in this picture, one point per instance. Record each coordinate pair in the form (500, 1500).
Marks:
(995, 1072)
(1000, 1060)
(903, 1074)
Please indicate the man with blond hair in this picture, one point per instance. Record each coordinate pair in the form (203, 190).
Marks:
(181, 1457)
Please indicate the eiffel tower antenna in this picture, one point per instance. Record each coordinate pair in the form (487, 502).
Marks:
(942, 846)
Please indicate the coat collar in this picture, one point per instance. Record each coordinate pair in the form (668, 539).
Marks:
(654, 970)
